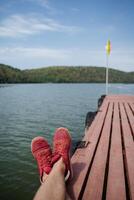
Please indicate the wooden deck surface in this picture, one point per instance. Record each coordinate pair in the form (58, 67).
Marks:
(105, 168)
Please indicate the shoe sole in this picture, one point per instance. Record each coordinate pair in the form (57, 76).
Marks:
(69, 173)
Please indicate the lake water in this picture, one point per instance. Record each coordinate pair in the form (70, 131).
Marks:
(29, 110)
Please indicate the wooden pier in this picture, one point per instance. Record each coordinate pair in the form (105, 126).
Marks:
(104, 169)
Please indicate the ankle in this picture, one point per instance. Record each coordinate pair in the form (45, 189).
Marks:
(44, 177)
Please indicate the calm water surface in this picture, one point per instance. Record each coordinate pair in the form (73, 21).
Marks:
(29, 110)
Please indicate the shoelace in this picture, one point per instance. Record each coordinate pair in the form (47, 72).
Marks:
(44, 158)
(55, 157)
(61, 148)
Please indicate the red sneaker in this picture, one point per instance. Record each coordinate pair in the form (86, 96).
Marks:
(62, 145)
(43, 154)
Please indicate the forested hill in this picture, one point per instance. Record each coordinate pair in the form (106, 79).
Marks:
(63, 74)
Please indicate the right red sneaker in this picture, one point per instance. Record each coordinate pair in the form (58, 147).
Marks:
(43, 154)
(61, 148)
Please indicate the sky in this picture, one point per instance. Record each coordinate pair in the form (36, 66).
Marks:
(40, 33)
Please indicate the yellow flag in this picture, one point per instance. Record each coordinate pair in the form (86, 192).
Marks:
(108, 47)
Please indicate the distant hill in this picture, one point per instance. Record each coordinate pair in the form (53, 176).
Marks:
(63, 74)
(9, 74)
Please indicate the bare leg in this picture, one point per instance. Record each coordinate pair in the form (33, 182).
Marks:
(53, 187)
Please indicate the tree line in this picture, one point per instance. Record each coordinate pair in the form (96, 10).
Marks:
(63, 74)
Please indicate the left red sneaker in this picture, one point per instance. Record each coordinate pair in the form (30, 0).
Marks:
(43, 154)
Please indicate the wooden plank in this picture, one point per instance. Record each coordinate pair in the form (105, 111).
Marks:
(130, 117)
(94, 187)
(120, 98)
(132, 106)
(82, 157)
(116, 179)
(129, 151)
(97, 119)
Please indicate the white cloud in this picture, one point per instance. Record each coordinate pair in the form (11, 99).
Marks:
(75, 10)
(46, 4)
(22, 56)
(12, 3)
(38, 57)
(19, 25)
(34, 52)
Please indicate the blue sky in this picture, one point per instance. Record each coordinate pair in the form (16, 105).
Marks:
(39, 33)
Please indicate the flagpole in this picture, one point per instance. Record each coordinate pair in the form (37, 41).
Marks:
(107, 69)
(108, 49)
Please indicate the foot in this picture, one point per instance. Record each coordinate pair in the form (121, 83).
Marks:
(61, 148)
(43, 154)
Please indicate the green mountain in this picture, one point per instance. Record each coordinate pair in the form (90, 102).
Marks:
(63, 74)
(9, 74)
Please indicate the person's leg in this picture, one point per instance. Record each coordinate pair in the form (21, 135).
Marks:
(54, 186)
(53, 171)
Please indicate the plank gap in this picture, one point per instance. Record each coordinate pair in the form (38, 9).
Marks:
(124, 159)
(131, 108)
(108, 157)
(129, 122)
